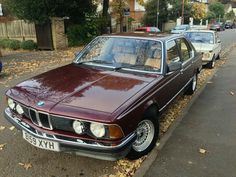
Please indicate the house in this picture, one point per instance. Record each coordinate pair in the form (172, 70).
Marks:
(137, 10)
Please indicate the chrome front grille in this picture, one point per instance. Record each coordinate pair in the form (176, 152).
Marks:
(39, 118)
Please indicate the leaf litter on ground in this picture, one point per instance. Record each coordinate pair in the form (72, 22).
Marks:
(26, 166)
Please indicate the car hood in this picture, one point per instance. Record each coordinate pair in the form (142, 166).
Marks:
(79, 86)
(201, 47)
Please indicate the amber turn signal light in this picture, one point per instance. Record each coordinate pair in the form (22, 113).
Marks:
(115, 132)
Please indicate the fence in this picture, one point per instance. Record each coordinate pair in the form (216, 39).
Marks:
(18, 29)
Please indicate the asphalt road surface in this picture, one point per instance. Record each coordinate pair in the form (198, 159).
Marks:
(52, 164)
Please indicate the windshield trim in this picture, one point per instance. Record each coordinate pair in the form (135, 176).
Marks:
(123, 68)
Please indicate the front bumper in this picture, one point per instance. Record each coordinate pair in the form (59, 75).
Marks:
(94, 150)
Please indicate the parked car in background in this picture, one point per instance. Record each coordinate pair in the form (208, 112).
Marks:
(148, 29)
(107, 103)
(229, 25)
(217, 27)
(222, 26)
(208, 43)
(180, 29)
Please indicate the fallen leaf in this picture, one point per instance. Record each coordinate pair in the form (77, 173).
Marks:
(2, 128)
(2, 146)
(190, 162)
(232, 93)
(26, 166)
(202, 151)
(12, 128)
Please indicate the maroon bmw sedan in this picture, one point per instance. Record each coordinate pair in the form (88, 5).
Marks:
(107, 103)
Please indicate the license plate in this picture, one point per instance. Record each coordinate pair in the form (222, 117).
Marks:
(41, 143)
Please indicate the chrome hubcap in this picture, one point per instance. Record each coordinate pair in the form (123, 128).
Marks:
(145, 134)
(194, 82)
(213, 64)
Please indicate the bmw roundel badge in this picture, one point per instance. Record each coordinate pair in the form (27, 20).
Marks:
(40, 103)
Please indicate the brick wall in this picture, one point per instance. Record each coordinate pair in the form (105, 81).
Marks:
(60, 40)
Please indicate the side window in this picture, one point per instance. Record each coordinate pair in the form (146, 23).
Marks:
(172, 52)
(185, 49)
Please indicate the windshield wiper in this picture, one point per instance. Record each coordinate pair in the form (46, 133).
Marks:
(145, 67)
(142, 66)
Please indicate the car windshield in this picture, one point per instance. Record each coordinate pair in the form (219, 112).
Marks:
(200, 37)
(123, 53)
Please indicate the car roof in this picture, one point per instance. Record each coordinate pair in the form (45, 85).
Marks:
(200, 30)
(155, 36)
(183, 25)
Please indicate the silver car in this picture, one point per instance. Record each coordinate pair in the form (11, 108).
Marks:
(208, 43)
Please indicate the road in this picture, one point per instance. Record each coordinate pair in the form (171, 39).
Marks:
(51, 164)
(227, 37)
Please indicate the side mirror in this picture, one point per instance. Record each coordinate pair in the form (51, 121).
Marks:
(174, 66)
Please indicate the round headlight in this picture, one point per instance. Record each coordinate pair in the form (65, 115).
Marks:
(97, 129)
(78, 127)
(11, 103)
(19, 109)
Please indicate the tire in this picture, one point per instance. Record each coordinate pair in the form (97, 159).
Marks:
(212, 63)
(147, 135)
(193, 85)
(218, 57)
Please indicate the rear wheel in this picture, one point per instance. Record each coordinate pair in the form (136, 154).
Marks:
(147, 134)
(193, 85)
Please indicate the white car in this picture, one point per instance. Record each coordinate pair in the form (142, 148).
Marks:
(208, 43)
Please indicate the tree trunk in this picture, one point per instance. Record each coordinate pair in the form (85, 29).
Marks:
(121, 16)
(105, 16)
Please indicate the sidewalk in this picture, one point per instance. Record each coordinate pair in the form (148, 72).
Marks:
(210, 124)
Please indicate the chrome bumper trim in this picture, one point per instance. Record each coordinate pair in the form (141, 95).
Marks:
(24, 126)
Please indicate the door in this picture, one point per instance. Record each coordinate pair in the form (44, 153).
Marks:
(187, 55)
(44, 36)
(217, 44)
(172, 82)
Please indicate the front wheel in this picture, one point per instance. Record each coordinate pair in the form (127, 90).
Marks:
(193, 85)
(147, 134)
(212, 63)
(218, 57)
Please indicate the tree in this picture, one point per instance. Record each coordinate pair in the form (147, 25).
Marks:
(199, 11)
(118, 10)
(105, 16)
(230, 15)
(218, 9)
(211, 15)
(176, 10)
(150, 17)
(40, 11)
